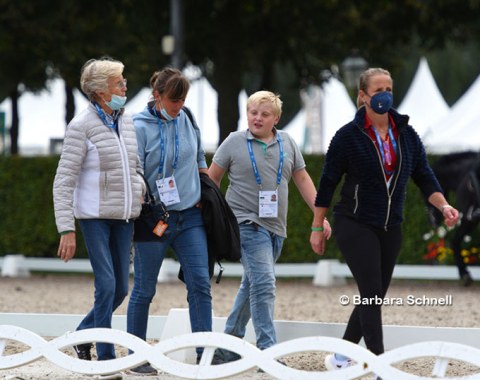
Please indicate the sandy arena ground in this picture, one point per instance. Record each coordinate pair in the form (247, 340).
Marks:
(297, 300)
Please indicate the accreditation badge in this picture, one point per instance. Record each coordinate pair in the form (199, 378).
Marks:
(167, 190)
(268, 204)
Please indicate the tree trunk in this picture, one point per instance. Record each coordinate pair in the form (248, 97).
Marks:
(228, 89)
(70, 104)
(228, 74)
(14, 129)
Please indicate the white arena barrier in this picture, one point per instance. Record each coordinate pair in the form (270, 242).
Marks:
(326, 272)
(252, 357)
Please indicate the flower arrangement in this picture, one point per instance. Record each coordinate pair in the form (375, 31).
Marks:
(440, 253)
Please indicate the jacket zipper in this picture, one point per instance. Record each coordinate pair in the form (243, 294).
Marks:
(126, 177)
(395, 178)
(105, 185)
(389, 193)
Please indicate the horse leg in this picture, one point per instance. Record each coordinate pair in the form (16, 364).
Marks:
(465, 228)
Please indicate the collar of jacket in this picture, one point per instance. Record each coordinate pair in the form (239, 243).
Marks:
(401, 121)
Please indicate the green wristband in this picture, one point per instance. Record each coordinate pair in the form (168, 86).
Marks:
(317, 229)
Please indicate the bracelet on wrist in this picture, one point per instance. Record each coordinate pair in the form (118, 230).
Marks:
(317, 229)
(445, 206)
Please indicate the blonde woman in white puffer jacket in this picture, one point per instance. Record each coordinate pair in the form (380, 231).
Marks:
(97, 183)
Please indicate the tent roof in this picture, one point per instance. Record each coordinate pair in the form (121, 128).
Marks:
(423, 101)
(458, 130)
(336, 110)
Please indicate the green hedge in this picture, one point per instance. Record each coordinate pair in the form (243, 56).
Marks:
(297, 247)
(27, 223)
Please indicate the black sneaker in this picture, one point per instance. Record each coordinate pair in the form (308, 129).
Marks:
(83, 351)
(222, 356)
(467, 279)
(216, 360)
(144, 369)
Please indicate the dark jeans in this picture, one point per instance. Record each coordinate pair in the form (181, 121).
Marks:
(370, 253)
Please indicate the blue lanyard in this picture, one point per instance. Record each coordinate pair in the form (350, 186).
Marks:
(254, 163)
(380, 144)
(101, 114)
(162, 143)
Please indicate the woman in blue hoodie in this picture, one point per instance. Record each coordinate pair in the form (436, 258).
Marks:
(376, 153)
(172, 157)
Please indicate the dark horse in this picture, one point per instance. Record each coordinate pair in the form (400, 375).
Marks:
(459, 173)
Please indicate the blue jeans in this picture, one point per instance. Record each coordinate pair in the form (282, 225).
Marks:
(187, 237)
(256, 295)
(108, 244)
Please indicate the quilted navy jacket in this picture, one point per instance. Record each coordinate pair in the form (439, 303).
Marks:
(364, 195)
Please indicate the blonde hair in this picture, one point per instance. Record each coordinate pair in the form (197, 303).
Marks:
(260, 97)
(365, 79)
(95, 74)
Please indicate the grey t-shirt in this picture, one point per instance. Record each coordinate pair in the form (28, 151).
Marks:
(243, 190)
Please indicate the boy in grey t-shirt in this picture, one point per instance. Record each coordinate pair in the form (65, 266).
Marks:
(260, 163)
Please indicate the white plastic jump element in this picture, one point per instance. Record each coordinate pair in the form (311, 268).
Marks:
(178, 323)
(15, 266)
(332, 272)
(251, 356)
(168, 271)
(325, 272)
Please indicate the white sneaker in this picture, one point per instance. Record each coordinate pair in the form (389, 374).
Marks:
(333, 364)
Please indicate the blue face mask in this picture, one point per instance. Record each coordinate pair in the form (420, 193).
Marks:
(381, 102)
(165, 115)
(117, 102)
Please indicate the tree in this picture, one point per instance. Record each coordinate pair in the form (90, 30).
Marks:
(122, 30)
(255, 40)
(24, 46)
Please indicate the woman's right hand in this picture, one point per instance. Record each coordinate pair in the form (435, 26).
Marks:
(67, 246)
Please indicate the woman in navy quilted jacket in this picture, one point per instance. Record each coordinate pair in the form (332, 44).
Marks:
(376, 154)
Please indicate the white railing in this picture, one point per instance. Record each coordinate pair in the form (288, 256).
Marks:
(325, 272)
(177, 322)
(157, 355)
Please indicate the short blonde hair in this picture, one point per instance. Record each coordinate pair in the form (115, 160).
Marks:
(365, 79)
(260, 97)
(95, 74)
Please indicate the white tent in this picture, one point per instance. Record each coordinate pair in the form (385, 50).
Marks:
(336, 110)
(42, 116)
(202, 99)
(423, 102)
(138, 102)
(296, 128)
(459, 130)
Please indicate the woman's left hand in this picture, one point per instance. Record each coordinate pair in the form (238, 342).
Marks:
(450, 215)
(327, 229)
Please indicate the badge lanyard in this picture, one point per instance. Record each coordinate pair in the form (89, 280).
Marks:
(254, 163)
(162, 145)
(380, 144)
(102, 116)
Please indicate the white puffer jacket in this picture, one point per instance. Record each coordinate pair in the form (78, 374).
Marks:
(97, 174)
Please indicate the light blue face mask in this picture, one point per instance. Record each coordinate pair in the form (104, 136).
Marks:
(165, 115)
(117, 102)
